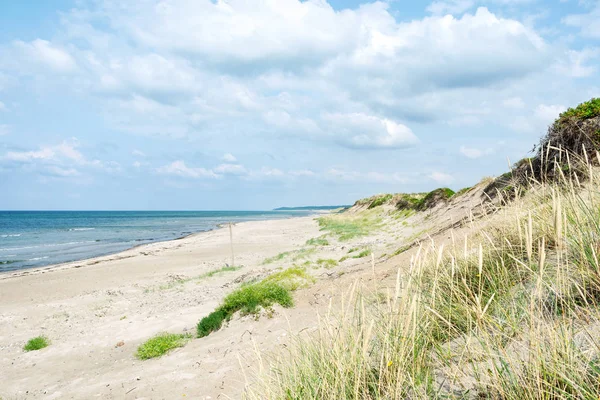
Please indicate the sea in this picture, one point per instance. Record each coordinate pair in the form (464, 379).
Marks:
(30, 239)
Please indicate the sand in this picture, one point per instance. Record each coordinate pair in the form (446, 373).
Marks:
(97, 312)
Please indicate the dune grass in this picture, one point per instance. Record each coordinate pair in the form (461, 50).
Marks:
(319, 241)
(508, 312)
(251, 297)
(327, 263)
(160, 345)
(348, 226)
(293, 255)
(36, 343)
(178, 282)
(363, 253)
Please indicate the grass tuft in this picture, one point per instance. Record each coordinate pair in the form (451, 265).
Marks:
(36, 343)
(347, 227)
(160, 345)
(320, 241)
(249, 298)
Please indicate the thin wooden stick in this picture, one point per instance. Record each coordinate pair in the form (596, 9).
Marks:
(231, 243)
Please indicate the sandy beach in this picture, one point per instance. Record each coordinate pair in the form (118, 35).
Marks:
(97, 312)
(86, 308)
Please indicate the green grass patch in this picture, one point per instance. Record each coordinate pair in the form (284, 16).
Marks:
(320, 241)
(160, 345)
(36, 343)
(463, 191)
(363, 253)
(349, 227)
(380, 200)
(226, 268)
(249, 298)
(400, 250)
(209, 274)
(327, 263)
(278, 257)
(294, 255)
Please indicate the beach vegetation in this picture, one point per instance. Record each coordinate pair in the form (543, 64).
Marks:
(160, 345)
(363, 253)
(36, 343)
(327, 263)
(181, 280)
(347, 226)
(251, 297)
(294, 255)
(380, 200)
(319, 241)
(511, 311)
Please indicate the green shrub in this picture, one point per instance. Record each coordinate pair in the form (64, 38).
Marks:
(36, 343)
(160, 344)
(585, 110)
(380, 200)
(249, 298)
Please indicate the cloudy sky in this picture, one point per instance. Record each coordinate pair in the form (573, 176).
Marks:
(241, 104)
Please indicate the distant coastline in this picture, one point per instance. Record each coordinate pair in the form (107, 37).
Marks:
(309, 208)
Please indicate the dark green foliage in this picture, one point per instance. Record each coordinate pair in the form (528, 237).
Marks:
(380, 200)
(36, 343)
(363, 253)
(583, 111)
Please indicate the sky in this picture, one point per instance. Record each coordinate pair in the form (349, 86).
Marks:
(251, 105)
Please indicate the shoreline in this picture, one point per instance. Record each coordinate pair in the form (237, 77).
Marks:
(97, 312)
(106, 257)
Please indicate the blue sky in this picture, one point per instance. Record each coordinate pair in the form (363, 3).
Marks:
(239, 104)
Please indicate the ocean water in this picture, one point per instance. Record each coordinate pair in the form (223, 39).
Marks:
(36, 238)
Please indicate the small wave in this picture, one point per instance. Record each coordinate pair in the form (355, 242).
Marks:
(6, 262)
(13, 235)
(47, 245)
(81, 229)
(38, 258)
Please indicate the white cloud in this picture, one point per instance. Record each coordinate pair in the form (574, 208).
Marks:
(548, 113)
(62, 172)
(138, 153)
(543, 116)
(587, 22)
(230, 169)
(48, 54)
(228, 157)
(514, 102)
(471, 152)
(2, 106)
(441, 177)
(450, 7)
(365, 131)
(178, 168)
(4, 129)
(579, 64)
(59, 159)
(168, 68)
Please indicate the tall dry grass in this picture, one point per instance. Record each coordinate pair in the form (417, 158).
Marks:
(509, 312)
